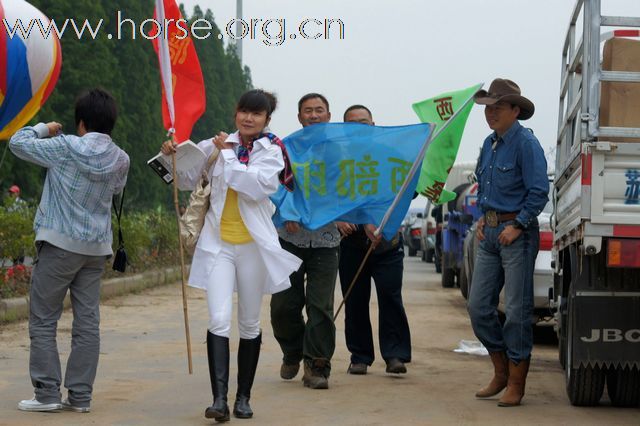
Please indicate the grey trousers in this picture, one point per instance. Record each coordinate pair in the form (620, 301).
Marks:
(55, 272)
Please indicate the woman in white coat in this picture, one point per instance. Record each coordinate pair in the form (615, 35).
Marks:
(238, 248)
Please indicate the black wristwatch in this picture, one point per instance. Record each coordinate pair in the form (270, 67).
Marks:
(518, 225)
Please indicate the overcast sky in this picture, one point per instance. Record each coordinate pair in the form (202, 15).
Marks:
(396, 53)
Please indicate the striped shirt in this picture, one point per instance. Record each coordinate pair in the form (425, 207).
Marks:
(326, 237)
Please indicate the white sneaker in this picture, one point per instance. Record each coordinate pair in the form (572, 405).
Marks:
(35, 405)
(68, 406)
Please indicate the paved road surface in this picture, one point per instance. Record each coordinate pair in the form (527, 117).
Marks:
(143, 380)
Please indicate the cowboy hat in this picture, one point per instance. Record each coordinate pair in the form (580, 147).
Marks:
(507, 91)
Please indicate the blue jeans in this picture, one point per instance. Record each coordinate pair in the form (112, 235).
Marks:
(511, 267)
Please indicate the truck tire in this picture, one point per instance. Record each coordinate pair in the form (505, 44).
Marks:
(464, 282)
(568, 264)
(448, 277)
(437, 260)
(623, 386)
(429, 255)
(562, 340)
(585, 384)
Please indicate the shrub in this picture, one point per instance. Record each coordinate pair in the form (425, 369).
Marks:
(16, 231)
(150, 239)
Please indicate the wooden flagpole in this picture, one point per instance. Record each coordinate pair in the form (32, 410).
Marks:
(182, 265)
(169, 80)
(355, 277)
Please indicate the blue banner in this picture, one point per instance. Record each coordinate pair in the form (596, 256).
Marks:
(349, 172)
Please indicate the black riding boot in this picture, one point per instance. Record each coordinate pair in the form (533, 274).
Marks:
(248, 354)
(218, 355)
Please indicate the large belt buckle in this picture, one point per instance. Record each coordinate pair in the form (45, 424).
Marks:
(491, 218)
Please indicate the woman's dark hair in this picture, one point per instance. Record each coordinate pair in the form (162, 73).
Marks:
(257, 100)
(98, 111)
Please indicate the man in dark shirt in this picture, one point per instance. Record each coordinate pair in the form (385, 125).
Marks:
(512, 191)
(385, 267)
(312, 341)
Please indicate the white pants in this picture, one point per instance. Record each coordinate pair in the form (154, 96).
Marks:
(237, 266)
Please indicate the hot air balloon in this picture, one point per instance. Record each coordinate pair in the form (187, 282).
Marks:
(29, 66)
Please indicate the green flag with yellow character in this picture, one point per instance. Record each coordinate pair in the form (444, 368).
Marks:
(443, 150)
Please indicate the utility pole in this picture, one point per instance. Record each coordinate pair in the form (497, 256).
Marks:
(239, 29)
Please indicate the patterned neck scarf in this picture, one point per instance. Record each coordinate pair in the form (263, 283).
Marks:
(244, 149)
(286, 174)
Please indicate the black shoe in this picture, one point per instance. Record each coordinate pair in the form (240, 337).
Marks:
(218, 357)
(357, 368)
(241, 408)
(219, 412)
(395, 366)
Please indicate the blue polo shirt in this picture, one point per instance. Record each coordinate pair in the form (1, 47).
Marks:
(512, 174)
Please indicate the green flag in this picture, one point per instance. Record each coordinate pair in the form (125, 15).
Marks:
(443, 150)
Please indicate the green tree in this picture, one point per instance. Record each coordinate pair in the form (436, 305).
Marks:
(128, 68)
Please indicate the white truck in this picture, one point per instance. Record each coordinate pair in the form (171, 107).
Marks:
(596, 221)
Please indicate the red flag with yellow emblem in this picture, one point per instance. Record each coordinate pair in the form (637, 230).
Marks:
(183, 95)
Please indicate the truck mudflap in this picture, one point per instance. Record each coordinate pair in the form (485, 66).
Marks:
(606, 329)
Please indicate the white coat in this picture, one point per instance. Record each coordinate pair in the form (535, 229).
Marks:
(254, 183)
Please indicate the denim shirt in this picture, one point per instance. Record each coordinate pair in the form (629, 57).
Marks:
(512, 174)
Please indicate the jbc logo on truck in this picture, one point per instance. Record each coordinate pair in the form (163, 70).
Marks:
(612, 335)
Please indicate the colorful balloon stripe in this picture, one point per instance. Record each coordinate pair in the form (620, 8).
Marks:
(30, 67)
(3, 58)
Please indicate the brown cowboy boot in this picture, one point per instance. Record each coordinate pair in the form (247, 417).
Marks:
(500, 375)
(515, 386)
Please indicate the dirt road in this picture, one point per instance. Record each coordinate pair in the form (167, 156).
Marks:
(143, 380)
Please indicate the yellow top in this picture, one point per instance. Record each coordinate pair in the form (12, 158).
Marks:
(232, 228)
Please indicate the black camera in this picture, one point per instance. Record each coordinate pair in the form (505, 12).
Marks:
(120, 260)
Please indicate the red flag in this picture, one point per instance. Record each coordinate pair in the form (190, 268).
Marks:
(183, 96)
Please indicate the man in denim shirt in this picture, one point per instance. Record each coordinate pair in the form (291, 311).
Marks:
(512, 191)
(73, 236)
(315, 340)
